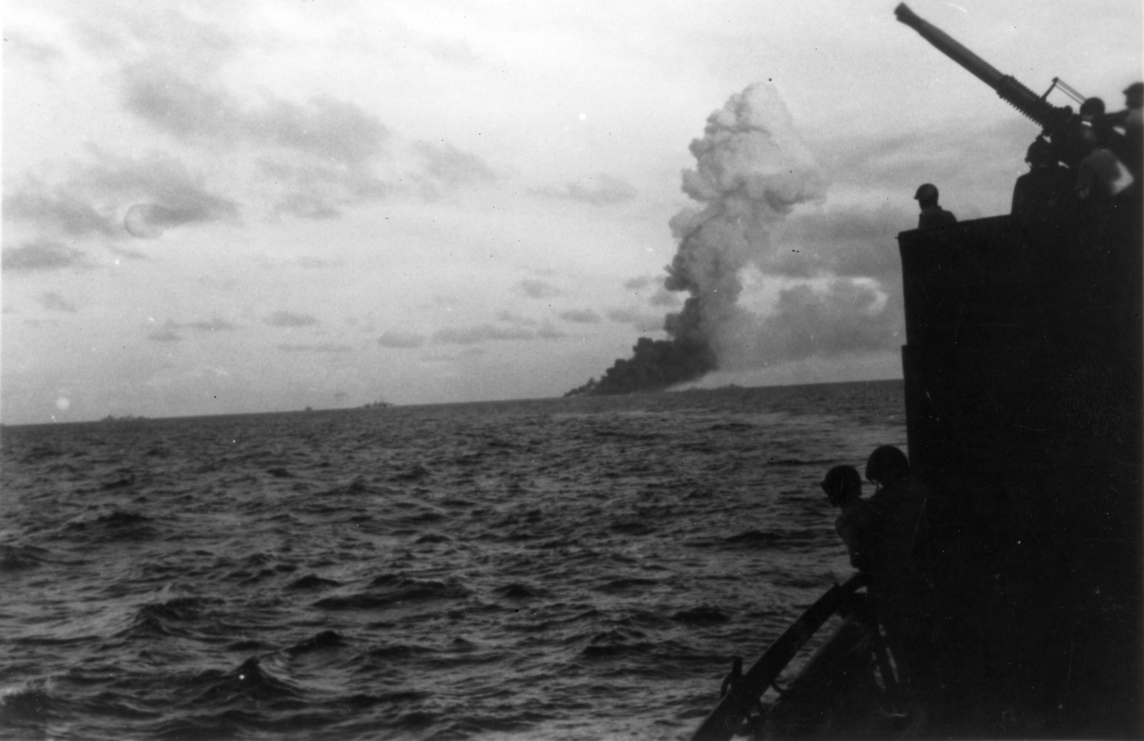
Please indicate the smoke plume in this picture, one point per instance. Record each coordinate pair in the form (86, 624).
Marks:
(751, 171)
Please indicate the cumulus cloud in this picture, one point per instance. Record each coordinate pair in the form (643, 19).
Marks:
(43, 255)
(319, 190)
(205, 112)
(64, 211)
(601, 190)
(401, 340)
(153, 192)
(841, 316)
(290, 319)
(538, 289)
(848, 241)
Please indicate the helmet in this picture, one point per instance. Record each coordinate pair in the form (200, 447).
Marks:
(842, 484)
(887, 465)
(1092, 107)
(927, 193)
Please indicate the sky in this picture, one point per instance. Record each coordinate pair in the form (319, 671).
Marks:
(227, 207)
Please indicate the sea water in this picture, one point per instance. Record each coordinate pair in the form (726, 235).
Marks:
(578, 568)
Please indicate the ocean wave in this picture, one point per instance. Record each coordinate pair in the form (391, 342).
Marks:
(702, 615)
(170, 618)
(116, 525)
(324, 640)
(21, 557)
(33, 704)
(528, 578)
(386, 591)
(249, 680)
(312, 581)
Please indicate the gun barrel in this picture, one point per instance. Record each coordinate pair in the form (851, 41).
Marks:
(980, 69)
(1020, 97)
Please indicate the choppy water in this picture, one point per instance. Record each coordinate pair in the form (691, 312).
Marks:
(566, 569)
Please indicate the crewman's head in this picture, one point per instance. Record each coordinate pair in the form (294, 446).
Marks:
(926, 195)
(1134, 95)
(842, 485)
(887, 466)
(1091, 108)
(1040, 152)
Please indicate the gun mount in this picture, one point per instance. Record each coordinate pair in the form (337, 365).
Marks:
(1056, 121)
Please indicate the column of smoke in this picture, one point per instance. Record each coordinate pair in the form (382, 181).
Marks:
(751, 171)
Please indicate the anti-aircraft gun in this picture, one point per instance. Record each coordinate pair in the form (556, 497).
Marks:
(1061, 124)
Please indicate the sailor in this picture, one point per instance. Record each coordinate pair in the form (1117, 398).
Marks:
(932, 216)
(1038, 193)
(855, 524)
(899, 579)
(1101, 175)
(1134, 127)
(1130, 150)
(1091, 110)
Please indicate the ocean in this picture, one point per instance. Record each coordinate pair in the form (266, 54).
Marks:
(581, 568)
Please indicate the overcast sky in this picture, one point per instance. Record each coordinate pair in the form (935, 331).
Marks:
(215, 207)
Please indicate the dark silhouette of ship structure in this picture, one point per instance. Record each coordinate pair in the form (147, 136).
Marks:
(1023, 392)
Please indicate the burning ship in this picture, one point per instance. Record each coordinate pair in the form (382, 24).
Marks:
(1024, 422)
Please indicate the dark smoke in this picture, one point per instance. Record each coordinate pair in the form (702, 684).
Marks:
(751, 171)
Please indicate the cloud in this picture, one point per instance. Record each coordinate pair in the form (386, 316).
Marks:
(126, 253)
(478, 333)
(165, 335)
(451, 167)
(63, 211)
(894, 167)
(580, 316)
(665, 299)
(43, 255)
(290, 319)
(322, 347)
(155, 192)
(850, 241)
(660, 296)
(548, 332)
(400, 340)
(204, 112)
(18, 46)
(842, 316)
(324, 127)
(209, 325)
(538, 289)
(55, 302)
(319, 190)
(603, 190)
(170, 194)
(643, 322)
